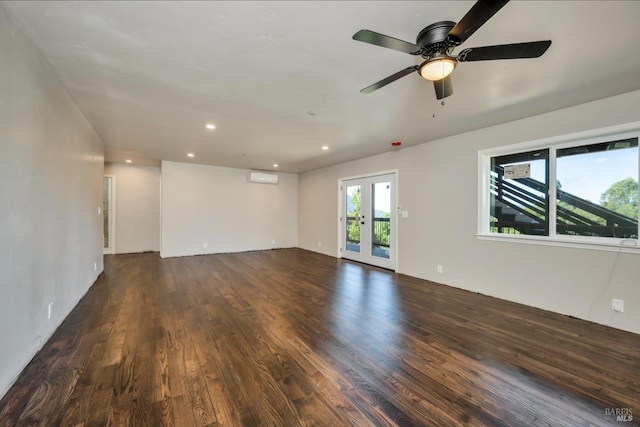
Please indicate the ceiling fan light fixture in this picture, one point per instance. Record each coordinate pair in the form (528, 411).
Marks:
(437, 68)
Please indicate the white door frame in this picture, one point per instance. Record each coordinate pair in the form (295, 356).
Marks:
(394, 208)
(112, 215)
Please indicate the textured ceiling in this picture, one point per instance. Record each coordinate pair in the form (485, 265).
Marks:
(281, 79)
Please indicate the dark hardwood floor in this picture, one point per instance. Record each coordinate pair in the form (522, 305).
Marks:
(294, 338)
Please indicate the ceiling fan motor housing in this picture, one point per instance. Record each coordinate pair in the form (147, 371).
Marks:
(433, 38)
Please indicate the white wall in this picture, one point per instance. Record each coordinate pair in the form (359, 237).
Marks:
(51, 164)
(137, 213)
(438, 186)
(219, 207)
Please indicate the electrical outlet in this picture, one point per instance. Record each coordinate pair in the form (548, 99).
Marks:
(319, 244)
(95, 266)
(617, 305)
(440, 268)
(205, 245)
(273, 241)
(50, 310)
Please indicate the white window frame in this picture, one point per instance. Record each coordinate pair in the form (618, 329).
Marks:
(630, 130)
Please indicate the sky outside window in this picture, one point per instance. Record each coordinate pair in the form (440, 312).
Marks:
(591, 174)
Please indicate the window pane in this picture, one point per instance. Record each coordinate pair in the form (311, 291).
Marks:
(519, 202)
(598, 189)
(381, 224)
(352, 223)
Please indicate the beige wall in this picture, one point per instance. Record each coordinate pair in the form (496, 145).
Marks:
(438, 185)
(51, 164)
(219, 207)
(137, 202)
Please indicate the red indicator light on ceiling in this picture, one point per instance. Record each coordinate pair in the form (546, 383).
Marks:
(396, 144)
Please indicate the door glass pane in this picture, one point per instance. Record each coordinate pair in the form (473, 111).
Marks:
(352, 222)
(597, 189)
(519, 188)
(381, 223)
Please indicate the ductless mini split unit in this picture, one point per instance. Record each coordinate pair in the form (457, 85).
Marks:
(263, 177)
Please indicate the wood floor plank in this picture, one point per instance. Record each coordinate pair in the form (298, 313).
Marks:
(293, 338)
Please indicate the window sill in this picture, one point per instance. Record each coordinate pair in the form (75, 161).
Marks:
(617, 245)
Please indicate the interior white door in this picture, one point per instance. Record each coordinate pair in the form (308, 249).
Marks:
(368, 220)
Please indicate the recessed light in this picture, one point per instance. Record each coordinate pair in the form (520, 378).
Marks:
(128, 161)
(325, 147)
(210, 126)
(275, 165)
(190, 155)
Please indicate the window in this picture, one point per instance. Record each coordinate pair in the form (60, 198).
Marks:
(597, 189)
(580, 190)
(520, 205)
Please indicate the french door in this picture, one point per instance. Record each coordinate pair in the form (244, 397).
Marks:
(368, 220)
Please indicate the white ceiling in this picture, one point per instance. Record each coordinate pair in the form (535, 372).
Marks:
(281, 79)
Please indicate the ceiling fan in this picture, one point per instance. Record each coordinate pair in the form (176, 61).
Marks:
(436, 42)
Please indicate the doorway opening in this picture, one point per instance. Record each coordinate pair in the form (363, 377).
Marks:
(108, 214)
